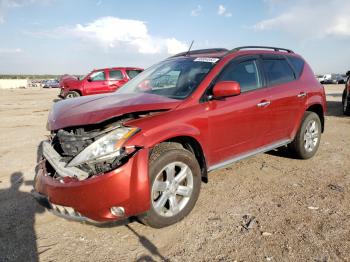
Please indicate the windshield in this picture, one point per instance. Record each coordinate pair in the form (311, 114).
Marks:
(175, 78)
(83, 77)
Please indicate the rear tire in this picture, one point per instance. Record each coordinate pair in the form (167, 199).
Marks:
(72, 94)
(346, 103)
(175, 181)
(307, 139)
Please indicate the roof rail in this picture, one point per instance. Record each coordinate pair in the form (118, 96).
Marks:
(201, 51)
(277, 49)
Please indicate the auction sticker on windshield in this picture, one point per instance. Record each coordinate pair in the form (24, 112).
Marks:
(206, 59)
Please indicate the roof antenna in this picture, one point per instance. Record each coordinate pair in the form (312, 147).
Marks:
(188, 52)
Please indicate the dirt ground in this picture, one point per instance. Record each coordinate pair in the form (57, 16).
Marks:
(267, 208)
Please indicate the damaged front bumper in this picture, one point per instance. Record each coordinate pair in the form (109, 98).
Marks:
(63, 93)
(61, 211)
(92, 198)
(59, 165)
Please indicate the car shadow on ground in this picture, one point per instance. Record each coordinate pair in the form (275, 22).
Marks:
(335, 108)
(335, 94)
(144, 241)
(17, 234)
(148, 245)
(282, 152)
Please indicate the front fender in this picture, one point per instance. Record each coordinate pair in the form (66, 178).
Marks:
(154, 137)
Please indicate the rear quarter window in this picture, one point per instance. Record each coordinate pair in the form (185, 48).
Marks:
(133, 73)
(278, 71)
(298, 65)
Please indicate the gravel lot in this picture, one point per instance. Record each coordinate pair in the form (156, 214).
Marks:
(267, 208)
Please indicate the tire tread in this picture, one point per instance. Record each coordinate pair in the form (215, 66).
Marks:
(296, 146)
(159, 153)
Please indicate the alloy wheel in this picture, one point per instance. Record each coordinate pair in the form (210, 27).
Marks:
(70, 96)
(311, 136)
(172, 189)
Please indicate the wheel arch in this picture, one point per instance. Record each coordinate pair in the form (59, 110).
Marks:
(318, 109)
(191, 144)
(76, 90)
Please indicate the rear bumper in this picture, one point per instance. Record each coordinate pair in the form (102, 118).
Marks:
(92, 198)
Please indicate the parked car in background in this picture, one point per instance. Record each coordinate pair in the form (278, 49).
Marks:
(33, 83)
(345, 78)
(331, 79)
(51, 83)
(97, 82)
(346, 96)
(319, 77)
(144, 150)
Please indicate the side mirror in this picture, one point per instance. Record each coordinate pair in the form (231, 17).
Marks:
(226, 88)
(348, 73)
(89, 79)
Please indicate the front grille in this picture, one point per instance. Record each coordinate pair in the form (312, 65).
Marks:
(69, 144)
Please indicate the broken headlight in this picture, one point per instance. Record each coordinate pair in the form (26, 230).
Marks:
(105, 148)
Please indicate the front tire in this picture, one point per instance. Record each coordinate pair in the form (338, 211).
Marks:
(307, 139)
(175, 181)
(72, 94)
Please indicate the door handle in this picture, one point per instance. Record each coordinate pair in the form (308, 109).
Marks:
(301, 95)
(264, 103)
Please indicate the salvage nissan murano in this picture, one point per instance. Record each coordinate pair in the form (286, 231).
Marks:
(144, 150)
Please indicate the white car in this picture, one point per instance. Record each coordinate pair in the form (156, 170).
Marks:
(331, 79)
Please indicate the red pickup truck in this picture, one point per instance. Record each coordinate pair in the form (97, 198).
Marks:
(97, 82)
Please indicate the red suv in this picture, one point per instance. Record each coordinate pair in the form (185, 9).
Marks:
(145, 149)
(97, 82)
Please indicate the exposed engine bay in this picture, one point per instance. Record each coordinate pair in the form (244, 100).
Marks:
(69, 142)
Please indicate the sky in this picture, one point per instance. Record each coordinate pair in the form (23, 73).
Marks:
(64, 36)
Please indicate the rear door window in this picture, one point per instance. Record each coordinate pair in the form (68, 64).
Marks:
(277, 71)
(115, 75)
(245, 73)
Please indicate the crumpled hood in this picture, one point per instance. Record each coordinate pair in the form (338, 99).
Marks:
(69, 81)
(98, 108)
